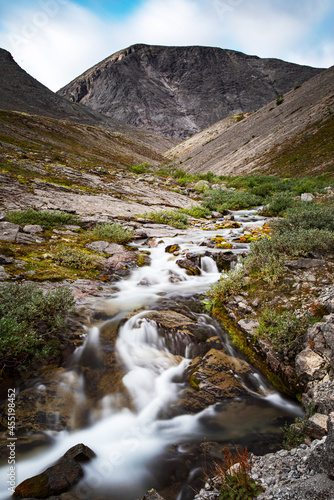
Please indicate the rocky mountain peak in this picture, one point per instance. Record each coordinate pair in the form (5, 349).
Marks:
(178, 91)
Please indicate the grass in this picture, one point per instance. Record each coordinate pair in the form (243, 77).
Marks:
(76, 258)
(115, 233)
(172, 218)
(31, 324)
(46, 219)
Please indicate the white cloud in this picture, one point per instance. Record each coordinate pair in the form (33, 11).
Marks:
(56, 40)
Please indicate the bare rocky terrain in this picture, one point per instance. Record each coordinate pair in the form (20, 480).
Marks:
(292, 137)
(178, 91)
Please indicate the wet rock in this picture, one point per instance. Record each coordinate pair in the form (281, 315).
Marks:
(58, 478)
(223, 259)
(9, 231)
(310, 366)
(172, 248)
(152, 495)
(316, 426)
(191, 268)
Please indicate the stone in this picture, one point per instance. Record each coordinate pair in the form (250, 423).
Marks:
(28, 239)
(216, 215)
(304, 263)
(32, 228)
(202, 186)
(172, 248)
(309, 365)
(98, 246)
(58, 478)
(3, 274)
(306, 197)
(321, 396)
(6, 260)
(191, 268)
(9, 231)
(249, 326)
(152, 495)
(316, 426)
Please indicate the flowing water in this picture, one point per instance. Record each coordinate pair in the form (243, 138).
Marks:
(142, 444)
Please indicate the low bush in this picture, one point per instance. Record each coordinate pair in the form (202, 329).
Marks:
(31, 323)
(197, 212)
(285, 329)
(143, 168)
(221, 200)
(229, 284)
(172, 218)
(116, 233)
(76, 258)
(308, 215)
(278, 204)
(46, 219)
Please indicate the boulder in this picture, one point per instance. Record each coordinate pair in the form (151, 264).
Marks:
(321, 396)
(306, 197)
(202, 186)
(316, 426)
(58, 478)
(191, 268)
(32, 228)
(249, 326)
(304, 263)
(310, 366)
(9, 231)
(172, 248)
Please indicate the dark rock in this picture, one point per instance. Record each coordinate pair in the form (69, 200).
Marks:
(304, 263)
(191, 268)
(316, 426)
(172, 248)
(58, 478)
(172, 103)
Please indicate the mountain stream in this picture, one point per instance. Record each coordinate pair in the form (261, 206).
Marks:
(144, 432)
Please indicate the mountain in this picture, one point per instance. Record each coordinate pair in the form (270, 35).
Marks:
(32, 114)
(178, 91)
(291, 136)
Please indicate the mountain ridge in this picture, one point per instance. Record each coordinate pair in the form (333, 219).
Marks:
(178, 91)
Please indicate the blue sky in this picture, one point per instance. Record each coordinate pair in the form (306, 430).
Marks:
(57, 40)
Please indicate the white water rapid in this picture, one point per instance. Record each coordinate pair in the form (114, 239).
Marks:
(134, 444)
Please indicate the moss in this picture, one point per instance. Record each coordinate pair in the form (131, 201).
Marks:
(240, 342)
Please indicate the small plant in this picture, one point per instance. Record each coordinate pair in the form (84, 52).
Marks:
(172, 218)
(285, 330)
(116, 233)
(235, 472)
(229, 284)
(293, 434)
(46, 219)
(279, 100)
(195, 211)
(76, 258)
(31, 323)
(143, 168)
(221, 200)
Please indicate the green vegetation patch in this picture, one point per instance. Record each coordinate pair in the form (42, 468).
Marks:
(115, 233)
(46, 219)
(221, 200)
(172, 218)
(31, 323)
(68, 256)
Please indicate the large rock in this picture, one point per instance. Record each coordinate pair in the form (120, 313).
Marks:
(191, 268)
(9, 231)
(58, 478)
(316, 426)
(310, 366)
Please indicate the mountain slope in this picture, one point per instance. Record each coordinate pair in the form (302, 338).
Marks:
(178, 91)
(21, 94)
(294, 137)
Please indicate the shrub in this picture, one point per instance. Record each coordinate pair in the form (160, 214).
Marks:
(229, 284)
(195, 211)
(279, 100)
(279, 203)
(141, 169)
(285, 330)
(116, 233)
(30, 323)
(308, 215)
(47, 219)
(172, 218)
(221, 200)
(68, 256)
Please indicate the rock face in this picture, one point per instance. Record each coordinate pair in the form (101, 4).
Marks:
(177, 91)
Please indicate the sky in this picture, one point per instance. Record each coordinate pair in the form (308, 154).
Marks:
(57, 40)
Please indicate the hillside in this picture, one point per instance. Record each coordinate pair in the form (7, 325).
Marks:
(178, 91)
(291, 138)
